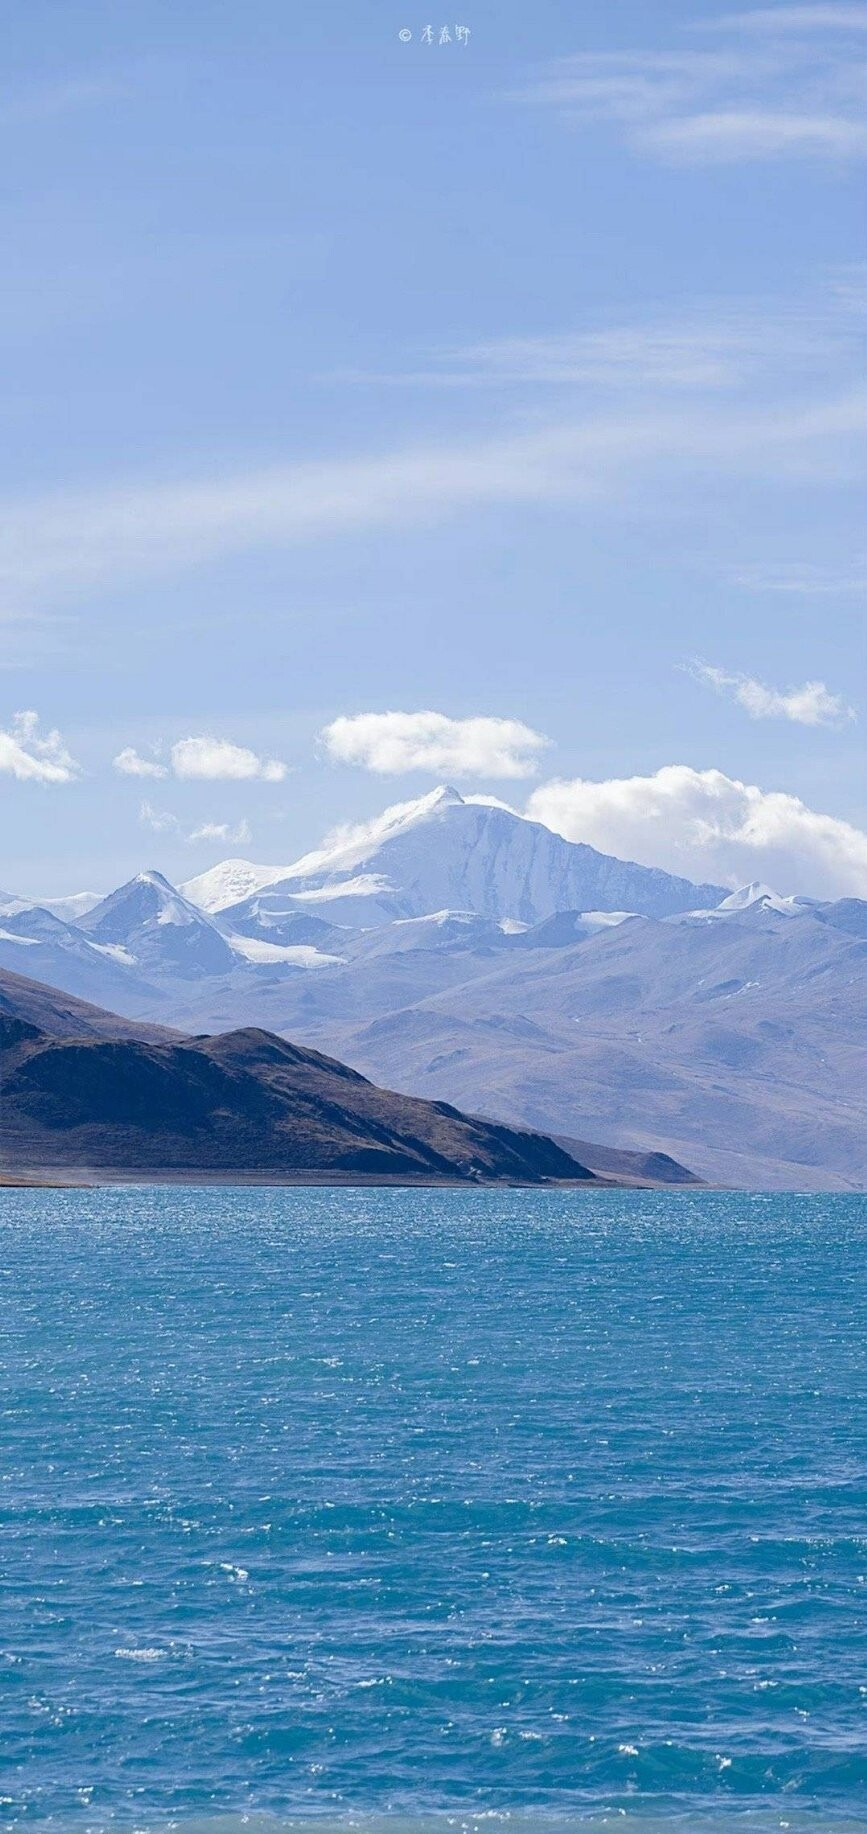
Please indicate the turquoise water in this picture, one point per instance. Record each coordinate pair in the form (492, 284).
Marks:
(427, 1510)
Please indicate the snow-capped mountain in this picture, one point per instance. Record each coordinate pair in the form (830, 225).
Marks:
(149, 925)
(271, 917)
(34, 942)
(742, 1044)
(752, 898)
(232, 882)
(450, 852)
(731, 1030)
(72, 908)
(69, 909)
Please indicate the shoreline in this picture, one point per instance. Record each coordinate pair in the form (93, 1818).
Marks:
(86, 1177)
(89, 1178)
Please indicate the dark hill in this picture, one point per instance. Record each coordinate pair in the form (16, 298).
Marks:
(63, 1015)
(111, 1098)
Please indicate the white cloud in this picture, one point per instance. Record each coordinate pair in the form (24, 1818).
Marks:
(130, 763)
(391, 743)
(220, 760)
(35, 757)
(724, 136)
(204, 758)
(162, 821)
(788, 83)
(708, 826)
(221, 831)
(811, 705)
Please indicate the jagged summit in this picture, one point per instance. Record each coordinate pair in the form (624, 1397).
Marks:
(754, 900)
(148, 894)
(151, 925)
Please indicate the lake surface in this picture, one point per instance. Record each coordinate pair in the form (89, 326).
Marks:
(431, 1510)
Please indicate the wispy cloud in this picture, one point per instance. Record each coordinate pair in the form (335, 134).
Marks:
(810, 705)
(162, 821)
(710, 345)
(710, 826)
(787, 82)
(237, 833)
(33, 756)
(60, 546)
(772, 20)
(393, 743)
(725, 135)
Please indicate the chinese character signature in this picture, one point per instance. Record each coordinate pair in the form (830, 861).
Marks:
(436, 35)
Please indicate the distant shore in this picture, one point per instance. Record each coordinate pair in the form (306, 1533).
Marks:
(88, 1177)
(88, 1180)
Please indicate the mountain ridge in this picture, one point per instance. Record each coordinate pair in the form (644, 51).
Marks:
(447, 851)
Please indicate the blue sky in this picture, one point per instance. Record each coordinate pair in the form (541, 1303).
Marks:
(512, 379)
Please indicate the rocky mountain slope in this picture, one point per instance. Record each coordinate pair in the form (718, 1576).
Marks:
(738, 1044)
(245, 1102)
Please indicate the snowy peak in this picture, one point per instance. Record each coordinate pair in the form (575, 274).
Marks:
(445, 851)
(229, 883)
(147, 898)
(69, 909)
(450, 852)
(756, 898)
(445, 796)
(354, 844)
(73, 907)
(158, 929)
(747, 895)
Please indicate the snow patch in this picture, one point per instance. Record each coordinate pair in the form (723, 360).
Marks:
(115, 952)
(299, 955)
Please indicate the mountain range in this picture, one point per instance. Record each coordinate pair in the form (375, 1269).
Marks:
(469, 955)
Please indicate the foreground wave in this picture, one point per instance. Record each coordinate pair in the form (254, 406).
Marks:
(415, 1511)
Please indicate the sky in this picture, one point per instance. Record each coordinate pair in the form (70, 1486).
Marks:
(389, 403)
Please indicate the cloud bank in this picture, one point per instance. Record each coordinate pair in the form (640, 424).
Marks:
(708, 826)
(811, 705)
(391, 743)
